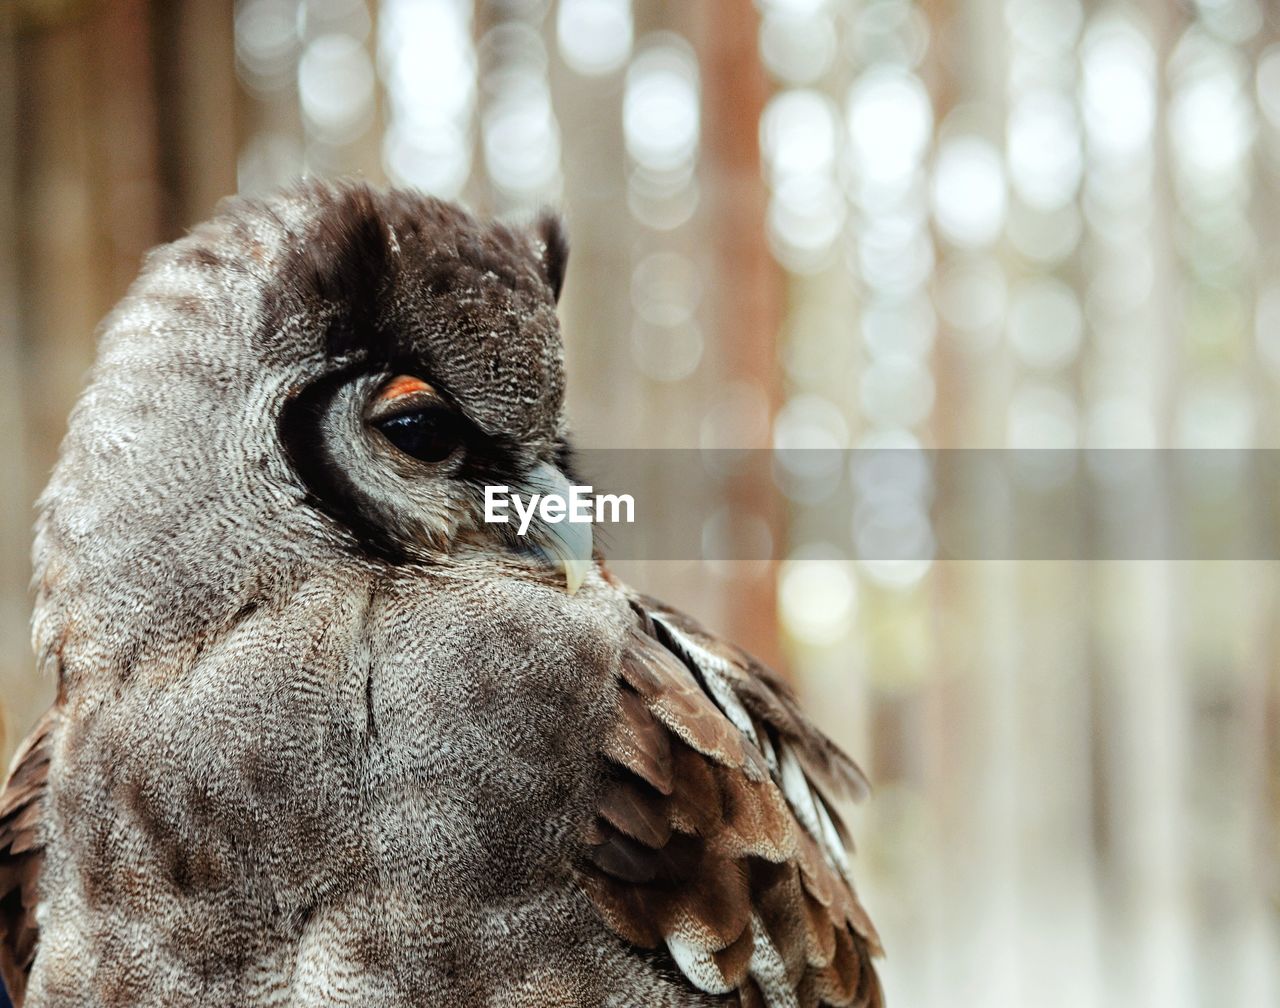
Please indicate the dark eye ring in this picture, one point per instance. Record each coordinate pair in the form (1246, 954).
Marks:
(429, 435)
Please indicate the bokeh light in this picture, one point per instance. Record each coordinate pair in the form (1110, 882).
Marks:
(660, 109)
(594, 35)
(969, 199)
(428, 65)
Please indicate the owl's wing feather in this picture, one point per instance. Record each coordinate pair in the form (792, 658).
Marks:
(717, 835)
(22, 856)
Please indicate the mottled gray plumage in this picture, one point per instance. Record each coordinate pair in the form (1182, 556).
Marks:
(324, 738)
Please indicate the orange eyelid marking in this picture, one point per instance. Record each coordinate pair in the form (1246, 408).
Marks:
(403, 385)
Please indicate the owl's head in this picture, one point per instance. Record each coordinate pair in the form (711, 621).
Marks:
(428, 364)
(332, 371)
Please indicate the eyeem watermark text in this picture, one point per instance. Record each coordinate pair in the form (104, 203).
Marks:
(581, 505)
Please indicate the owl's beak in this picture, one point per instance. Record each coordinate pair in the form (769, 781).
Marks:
(565, 544)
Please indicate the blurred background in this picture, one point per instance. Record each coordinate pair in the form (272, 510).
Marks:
(812, 224)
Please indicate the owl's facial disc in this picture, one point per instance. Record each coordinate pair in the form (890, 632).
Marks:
(419, 422)
(399, 463)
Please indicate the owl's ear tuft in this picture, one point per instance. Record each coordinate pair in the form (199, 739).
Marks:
(554, 249)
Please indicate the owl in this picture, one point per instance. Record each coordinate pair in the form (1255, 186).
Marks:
(323, 736)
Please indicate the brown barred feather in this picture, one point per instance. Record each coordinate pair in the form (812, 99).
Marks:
(749, 995)
(713, 906)
(22, 856)
(820, 936)
(819, 879)
(734, 958)
(626, 909)
(631, 861)
(697, 839)
(780, 902)
(770, 700)
(640, 743)
(631, 807)
(838, 983)
(757, 821)
(695, 801)
(677, 700)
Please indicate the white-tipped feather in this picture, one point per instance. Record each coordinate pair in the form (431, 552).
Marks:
(795, 785)
(698, 965)
(769, 971)
(770, 754)
(830, 839)
(809, 808)
(714, 673)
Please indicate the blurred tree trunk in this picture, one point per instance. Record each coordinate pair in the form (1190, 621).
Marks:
(13, 501)
(745, 293)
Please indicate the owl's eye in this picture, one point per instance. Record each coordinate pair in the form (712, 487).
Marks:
(429, 435)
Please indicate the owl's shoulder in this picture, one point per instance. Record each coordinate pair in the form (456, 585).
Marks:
(718, 838)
